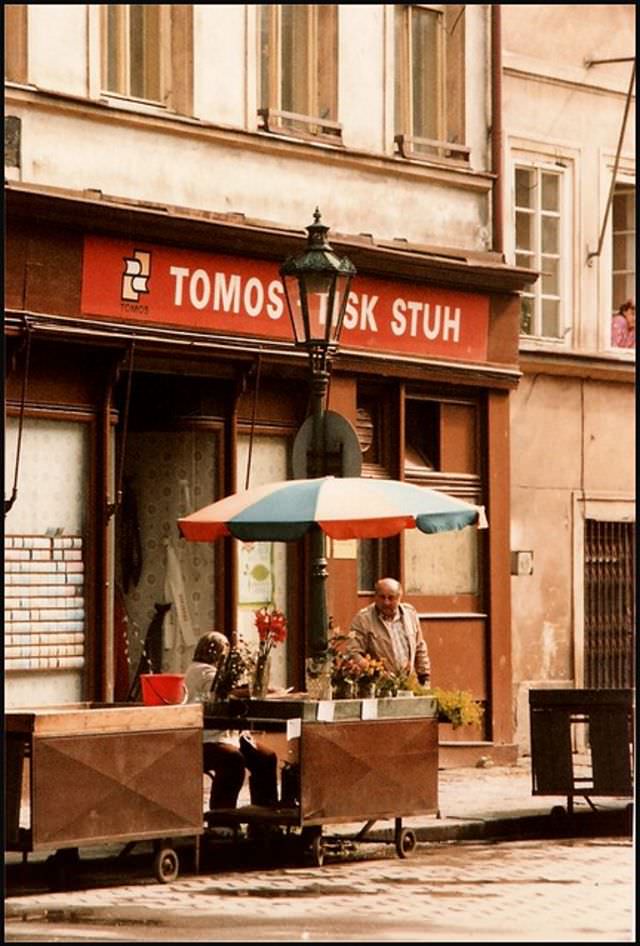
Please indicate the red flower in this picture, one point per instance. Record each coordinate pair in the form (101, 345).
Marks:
(271, 626)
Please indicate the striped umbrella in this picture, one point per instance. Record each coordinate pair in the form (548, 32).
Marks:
(343, 507)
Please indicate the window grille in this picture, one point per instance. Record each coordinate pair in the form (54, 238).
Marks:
(609, 607)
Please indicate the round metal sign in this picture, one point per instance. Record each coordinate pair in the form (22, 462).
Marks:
(342, 454)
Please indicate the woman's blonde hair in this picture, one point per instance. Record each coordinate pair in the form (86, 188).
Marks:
(210, 648)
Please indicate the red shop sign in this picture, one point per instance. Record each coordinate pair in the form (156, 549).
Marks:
(234, 295)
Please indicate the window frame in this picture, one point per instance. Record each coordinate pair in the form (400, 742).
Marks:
(16, 59)
(522, 156)
(272, 117)
(175, 70)
(625, 178)
(445, 147)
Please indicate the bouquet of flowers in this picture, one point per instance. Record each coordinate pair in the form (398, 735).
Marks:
(369, 669)
(271, 625)
(230, 671)
(344, 673)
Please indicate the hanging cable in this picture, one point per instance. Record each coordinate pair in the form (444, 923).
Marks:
(8, 503)
(253, 418)
(125, 425)
(614, 173)
(111, 508)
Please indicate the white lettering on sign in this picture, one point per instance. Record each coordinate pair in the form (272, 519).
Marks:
(199, 289)
(359, 312)
(276, 302)
(180, 273)
(226, 296)
(423, 319)
(227, 292)
(253, 297)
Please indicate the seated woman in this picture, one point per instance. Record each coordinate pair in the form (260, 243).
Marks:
(227, 754)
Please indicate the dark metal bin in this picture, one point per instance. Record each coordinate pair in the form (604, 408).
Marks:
(607, 715)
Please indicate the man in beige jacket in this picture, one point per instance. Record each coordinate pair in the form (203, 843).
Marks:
(390, 631)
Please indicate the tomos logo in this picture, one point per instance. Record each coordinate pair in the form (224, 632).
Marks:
(135, 277)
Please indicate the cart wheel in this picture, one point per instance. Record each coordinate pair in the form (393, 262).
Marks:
(316, 851)
(166, 865)
(405, 842)
(559, 811)
(313, 846)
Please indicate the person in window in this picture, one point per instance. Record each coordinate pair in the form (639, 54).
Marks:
(623, 326)
(390, 631)
(226, 755)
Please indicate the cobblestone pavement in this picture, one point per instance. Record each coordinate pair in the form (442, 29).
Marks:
(530, 891)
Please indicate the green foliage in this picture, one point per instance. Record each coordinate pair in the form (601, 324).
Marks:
(457, 706)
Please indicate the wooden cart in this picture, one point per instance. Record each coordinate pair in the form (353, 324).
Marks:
(87, 773)
(343, 761)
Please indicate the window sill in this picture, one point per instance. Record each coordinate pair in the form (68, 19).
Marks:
(132, 104)
(537, 343)
(280, 123)
(441, 153)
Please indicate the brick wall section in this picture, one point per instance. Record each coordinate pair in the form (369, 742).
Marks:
(44, 614)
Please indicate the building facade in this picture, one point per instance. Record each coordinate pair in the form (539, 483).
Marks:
(160, 164)
(569, 169)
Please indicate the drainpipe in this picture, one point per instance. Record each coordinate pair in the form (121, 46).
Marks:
(496, 129)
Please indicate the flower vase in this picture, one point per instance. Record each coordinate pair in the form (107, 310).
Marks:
(318, 679)
(366, 690)
(259, 680)
(344, 690)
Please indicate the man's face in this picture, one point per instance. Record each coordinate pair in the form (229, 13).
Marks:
(386, 600)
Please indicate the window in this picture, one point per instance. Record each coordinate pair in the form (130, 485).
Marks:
(441, 451)
(374, 422)
(146, 53)
(624, 244)
(45, 555)
(15, 42)
(429, 81)
(539, 246)
(299, 68)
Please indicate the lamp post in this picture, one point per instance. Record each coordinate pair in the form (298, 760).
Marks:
(316, 286)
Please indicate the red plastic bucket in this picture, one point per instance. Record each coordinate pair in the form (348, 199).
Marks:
(160, 689)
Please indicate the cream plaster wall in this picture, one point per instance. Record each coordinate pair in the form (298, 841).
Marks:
(571, 113)
(548, 34)
(477, 84)
(55, 32)
(565, 442)
(140, 152)
(545, 433)
(609, 438)
(571, 437)
(220, 50)
(201, 171)
(361, 90)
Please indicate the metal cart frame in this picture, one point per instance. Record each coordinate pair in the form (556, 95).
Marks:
(349, 768)
(89, 773)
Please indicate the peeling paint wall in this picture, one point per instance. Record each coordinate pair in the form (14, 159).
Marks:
(573, 414)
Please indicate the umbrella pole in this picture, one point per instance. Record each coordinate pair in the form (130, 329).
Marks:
(318, 620)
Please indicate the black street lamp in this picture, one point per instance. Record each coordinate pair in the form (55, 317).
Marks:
(316, 286)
